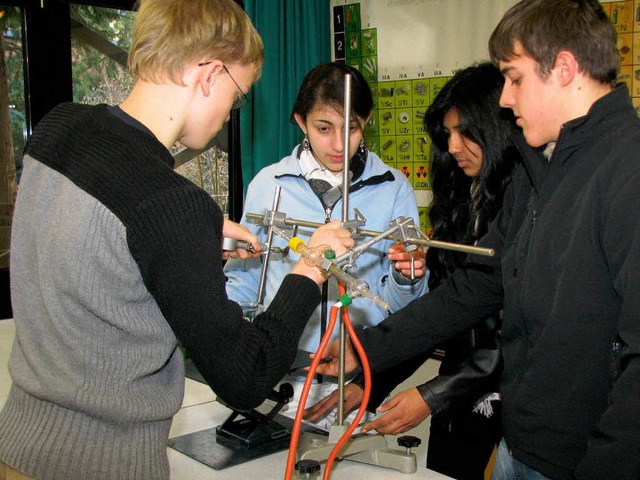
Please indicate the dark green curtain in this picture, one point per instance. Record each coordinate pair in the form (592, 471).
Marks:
(297, 37)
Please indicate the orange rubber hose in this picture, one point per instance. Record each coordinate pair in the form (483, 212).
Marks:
(297, 424)
(366, 368)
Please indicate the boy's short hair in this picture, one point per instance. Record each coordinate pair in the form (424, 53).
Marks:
(545, 27)
(170, 34)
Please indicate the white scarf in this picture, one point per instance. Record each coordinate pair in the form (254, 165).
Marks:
(312, 169)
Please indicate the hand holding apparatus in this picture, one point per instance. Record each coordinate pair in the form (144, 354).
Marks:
(333, 236)
(410, 263)
(322, 258)
(327, 238)
(236, 231)
(332, 353)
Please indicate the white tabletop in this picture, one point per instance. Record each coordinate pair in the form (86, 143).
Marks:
(200, 411)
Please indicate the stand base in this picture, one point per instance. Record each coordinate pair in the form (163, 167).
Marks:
(364, 448)
(204, 446)
(247, 433)
(218, 452)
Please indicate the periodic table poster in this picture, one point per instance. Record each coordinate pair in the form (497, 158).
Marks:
(625, 16)
(408, 49)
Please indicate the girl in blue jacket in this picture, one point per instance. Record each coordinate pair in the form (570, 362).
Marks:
(311, 180)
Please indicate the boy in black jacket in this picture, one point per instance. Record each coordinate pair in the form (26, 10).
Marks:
(568, 253)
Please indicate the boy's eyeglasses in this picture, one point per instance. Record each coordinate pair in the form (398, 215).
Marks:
(240, 101)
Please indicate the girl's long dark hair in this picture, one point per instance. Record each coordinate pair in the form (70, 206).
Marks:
(455, 216)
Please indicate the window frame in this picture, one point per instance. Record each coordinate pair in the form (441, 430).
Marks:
(48, 74)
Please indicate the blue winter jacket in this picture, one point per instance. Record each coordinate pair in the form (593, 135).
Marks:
(380, 193)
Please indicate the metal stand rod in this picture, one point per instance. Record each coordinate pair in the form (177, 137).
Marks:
(364, 246)
(345, 218)
(263, 272)
(458, 247)
(425, 242)
(347, 131)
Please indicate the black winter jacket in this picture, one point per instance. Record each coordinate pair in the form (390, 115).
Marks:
(567, 271)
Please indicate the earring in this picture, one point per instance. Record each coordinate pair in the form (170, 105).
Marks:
(362, 148)
(305, 143)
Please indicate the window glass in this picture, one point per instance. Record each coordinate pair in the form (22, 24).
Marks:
(12, 78)
(13, 129)
(99, 44)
